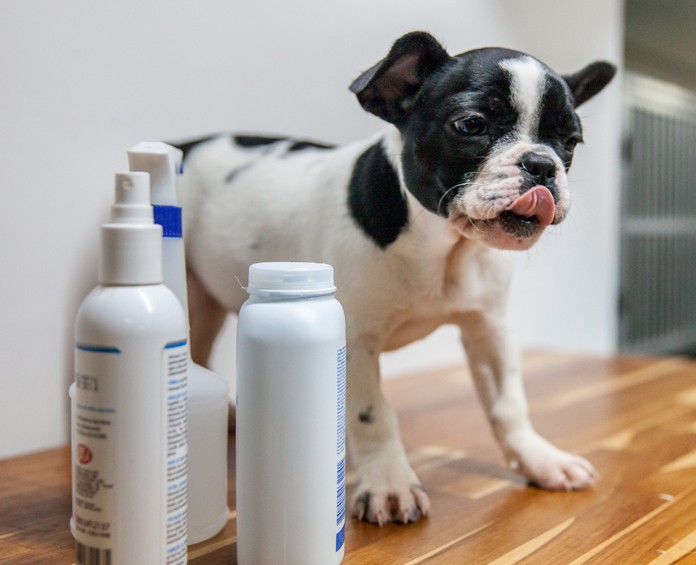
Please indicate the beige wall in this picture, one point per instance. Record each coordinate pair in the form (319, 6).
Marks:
(82, 81)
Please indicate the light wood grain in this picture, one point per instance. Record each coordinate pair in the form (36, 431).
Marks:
(634, 418)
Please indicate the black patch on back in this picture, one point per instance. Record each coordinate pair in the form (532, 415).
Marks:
(234, 173)
(301, 145)
(375, 198)
(254, 141)
(251, 141)
(187, 146)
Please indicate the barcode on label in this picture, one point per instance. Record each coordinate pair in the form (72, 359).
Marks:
(92, 555)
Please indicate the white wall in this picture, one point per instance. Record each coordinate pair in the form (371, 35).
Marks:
(82, 81)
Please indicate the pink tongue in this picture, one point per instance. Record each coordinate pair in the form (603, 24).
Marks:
(536, 202)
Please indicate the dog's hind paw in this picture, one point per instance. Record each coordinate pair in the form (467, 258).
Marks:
(382, 505)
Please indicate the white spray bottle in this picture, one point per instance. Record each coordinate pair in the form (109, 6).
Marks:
(208, 402)
(129, 398)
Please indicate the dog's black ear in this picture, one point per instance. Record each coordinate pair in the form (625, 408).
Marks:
(589, 81)
(389, 88)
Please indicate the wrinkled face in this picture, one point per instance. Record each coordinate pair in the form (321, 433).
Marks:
(489, 146)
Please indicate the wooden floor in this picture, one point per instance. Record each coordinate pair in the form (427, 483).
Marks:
(634, 418)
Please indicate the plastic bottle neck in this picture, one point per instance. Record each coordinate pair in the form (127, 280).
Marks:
(131, 242)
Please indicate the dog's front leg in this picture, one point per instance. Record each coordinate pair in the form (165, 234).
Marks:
(388, 489)
(495, 365)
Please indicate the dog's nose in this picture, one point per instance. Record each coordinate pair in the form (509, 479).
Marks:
(540, 168)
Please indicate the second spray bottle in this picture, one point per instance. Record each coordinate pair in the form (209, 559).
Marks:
(207, 394)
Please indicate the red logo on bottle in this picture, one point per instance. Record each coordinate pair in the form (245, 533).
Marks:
(84, 454)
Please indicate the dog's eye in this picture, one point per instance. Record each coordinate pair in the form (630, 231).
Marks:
(572, 141)
(470, 126)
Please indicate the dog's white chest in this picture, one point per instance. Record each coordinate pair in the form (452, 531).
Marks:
(438, 288)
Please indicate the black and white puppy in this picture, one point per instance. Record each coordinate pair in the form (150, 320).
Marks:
(413, 221)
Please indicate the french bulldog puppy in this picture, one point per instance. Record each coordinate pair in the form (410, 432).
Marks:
(474, 161)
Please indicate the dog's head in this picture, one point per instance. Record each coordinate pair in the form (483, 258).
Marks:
(488, 135)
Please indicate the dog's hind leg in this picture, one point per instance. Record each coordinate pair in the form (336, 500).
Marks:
(206, 317)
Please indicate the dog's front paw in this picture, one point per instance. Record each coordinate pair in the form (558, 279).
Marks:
(548, 467)
(390, 503)
(389, 491)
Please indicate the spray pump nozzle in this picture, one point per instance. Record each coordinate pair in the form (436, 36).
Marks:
(132, 199)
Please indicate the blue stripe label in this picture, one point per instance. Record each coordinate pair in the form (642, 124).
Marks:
(97, 348)
(341, 538)
(96, 409)
(175, 344)
(341, 491)
(169, 217)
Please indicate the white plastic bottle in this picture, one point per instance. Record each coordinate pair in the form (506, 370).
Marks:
(291, 359)
(207, 392)
(129, 398)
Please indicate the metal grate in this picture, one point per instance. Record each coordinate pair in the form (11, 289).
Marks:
(658, 227)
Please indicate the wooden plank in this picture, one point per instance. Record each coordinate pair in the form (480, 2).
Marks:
(635, 418)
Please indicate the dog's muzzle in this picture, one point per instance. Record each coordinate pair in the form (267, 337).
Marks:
(539, 168)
